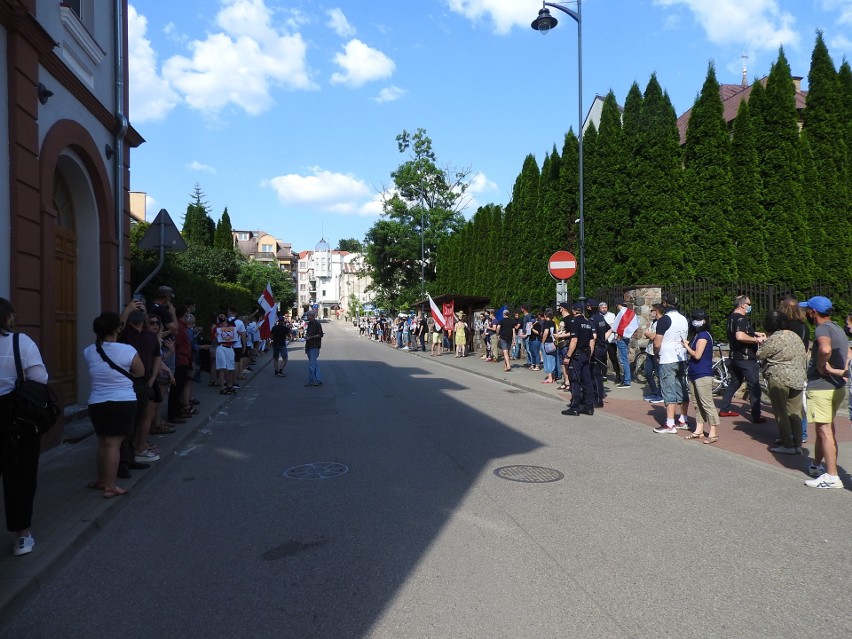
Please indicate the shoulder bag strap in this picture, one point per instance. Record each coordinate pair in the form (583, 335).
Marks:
(16, 347)
(112, 364)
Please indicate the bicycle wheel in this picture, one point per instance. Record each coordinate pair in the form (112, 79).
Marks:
(721, 377)
(638, 369)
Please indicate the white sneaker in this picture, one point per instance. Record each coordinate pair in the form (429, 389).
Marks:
(824, 481)
(146, 457)
(23, 546)
(662, 430)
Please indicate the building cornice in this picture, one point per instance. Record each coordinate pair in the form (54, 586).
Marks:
(17, 19)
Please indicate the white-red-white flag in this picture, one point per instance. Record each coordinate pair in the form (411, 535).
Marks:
(436, 313)
(267, 303)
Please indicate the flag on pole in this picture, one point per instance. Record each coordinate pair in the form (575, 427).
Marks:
(436, 313)
(267, 303)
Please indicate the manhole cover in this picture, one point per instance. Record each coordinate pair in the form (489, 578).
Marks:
(529, 474)
(317, 470)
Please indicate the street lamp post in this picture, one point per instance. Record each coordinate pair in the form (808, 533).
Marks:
(543, 24)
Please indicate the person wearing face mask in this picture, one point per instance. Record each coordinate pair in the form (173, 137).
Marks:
(743, 341)
(700, 375)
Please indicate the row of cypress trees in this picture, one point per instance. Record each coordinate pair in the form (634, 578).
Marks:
(766, 202)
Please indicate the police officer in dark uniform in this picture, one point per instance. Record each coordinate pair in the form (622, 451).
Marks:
(578, 359)
(598, 364)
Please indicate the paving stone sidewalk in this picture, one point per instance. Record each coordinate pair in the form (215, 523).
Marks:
(67, 513)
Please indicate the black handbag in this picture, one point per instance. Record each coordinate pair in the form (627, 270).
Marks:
(34, 405)
(140, 384)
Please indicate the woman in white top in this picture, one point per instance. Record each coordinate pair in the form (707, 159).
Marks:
(112, 400)
(18, 455)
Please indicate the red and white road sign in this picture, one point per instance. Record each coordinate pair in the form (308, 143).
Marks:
(562, 265)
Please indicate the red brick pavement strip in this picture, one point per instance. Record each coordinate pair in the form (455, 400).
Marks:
(736, 434)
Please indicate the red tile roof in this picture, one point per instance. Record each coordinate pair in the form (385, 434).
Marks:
(732, 95)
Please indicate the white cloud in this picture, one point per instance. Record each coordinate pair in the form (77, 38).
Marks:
(843, 7)
(338, 23)
(479, 183)
(760, 24)
(361, 64)
(389, 94)
(324, 190)
(241, 64)
(195, 165)
(504, 14)
(151, 97)
(840, 43)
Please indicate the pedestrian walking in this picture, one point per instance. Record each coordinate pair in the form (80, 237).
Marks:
(313, 344)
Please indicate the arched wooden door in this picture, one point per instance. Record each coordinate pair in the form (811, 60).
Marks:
(65, 291)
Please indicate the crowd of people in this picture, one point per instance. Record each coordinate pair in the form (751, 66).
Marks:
(575, 345)
(144, 361)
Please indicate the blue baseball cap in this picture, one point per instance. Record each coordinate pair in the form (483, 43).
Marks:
(818, 303)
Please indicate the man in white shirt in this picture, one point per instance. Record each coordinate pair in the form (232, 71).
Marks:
(672, 329)
(611, 348)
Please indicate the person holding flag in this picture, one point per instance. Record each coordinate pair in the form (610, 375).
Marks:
(266, 301)
(439, 326)
(626, 323)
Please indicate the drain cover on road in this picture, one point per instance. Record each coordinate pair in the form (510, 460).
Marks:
(317, 470)
(529, 474)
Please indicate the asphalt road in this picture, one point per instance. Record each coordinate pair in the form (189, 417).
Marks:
(645, 536)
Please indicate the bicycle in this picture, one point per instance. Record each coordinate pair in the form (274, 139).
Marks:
(637, 370)
(721, 371)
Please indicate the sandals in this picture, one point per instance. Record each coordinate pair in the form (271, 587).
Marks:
(695, 436)
(189, 412)
(96, 485)
(109, 493)
(711, 440)
(162, 429)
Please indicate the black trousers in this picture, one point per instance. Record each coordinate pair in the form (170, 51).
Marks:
(181, 380)
(19, 468)
(743, 370)
(582, 389)
(612, 353)
(598, 371)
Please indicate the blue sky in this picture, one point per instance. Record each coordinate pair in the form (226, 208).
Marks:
(287, 112)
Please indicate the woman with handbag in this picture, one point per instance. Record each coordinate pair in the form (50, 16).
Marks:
(112, 400)
(19, 451)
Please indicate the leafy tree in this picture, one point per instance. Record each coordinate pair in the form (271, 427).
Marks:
(824, 138)
(224, 236)
(351, 245)
(426, 199)
(746, 205)
(254, 276)
(208, 263)
(781, 174)
(708, 185)
(198, 226)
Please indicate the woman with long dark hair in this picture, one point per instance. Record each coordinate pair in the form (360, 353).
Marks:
(112, 400)
(18, 450)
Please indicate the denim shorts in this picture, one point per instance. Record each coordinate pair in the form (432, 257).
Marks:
(673, 383)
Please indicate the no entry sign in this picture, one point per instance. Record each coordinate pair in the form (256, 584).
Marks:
(562, 265)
